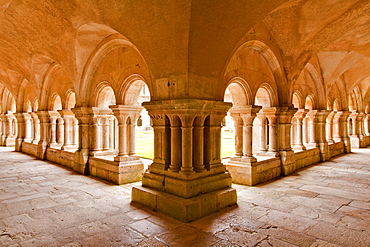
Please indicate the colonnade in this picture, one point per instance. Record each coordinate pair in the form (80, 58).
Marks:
(187, 179)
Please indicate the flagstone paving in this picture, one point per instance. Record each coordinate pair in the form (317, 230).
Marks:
(43, 204)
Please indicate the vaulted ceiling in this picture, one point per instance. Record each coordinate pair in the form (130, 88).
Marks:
(188, 40)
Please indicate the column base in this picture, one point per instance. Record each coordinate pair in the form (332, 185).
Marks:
(200, 183)
(10, 142)
(81, 161)
(250, 173)
(288, 164)
(55, 145)
(102, 153)
(324, 151)
(69, 148)
(331, 141)
(184, 209)
(299, 147)
(347, 144)
(117, 172)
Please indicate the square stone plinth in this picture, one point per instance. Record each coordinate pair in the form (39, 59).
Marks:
(118, 172)
(252, 173)
(183, 209)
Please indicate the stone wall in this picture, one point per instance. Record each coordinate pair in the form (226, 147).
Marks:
(307, 157)
(29, 148)
(336, 148)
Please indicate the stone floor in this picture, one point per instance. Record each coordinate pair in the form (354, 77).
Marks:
(42, 204)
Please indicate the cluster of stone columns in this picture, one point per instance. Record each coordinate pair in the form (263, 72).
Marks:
(312, 128)
(108, 132)
(282, 130)
(186, 179)
(9, 129)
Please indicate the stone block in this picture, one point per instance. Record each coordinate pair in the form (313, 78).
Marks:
(184, 209)
(254, 173)
(116, 172)
(187, 189)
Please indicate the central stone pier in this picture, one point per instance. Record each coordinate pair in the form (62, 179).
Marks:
(186, 179)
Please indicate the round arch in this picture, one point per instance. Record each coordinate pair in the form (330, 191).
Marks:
(310, 102)
(130, 89)
(271, 60)
(55, 102)
(240, 91)
(110, 43)
(298, 100)
(266, 96)
(104, 95)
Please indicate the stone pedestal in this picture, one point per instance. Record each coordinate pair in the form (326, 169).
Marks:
(129, 170)
(190, 189)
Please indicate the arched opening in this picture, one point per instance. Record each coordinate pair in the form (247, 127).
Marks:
(336, 105)
(296, 132)
(144, 135)
(234, 129)
(309, 138)
(70, 123)
(228, 135)
(105, 123)
(261, 124)
(56, 122)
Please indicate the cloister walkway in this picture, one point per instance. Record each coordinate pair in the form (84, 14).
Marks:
(43, 204)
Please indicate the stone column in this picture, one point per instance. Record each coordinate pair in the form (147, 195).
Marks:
(311, 117)
(187, 144)
(248, 114)
(36, 128)
(213, 141)
(97, 136)
(287, 157)
(135, 113)
(360, 129)
(75, 135)
(272, 134)
(21, 131)
(12, 129)
(43, 144)
(188, 195)
(5, 126)
(68, 118)
(354, 129)
(199, 144)
(298, 127)
(238, 121)
(105, 132)
(341, 129)
(53, 128)
(60, 132)
(162, 143)
(176, 143)
(262, 133)
(121, 116)
(85, 138)
(112, 133)
(367, 124)
(329, 127)
(28, 127)
(321, 117)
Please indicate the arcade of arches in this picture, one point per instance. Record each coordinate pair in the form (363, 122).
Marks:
(293, 77)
